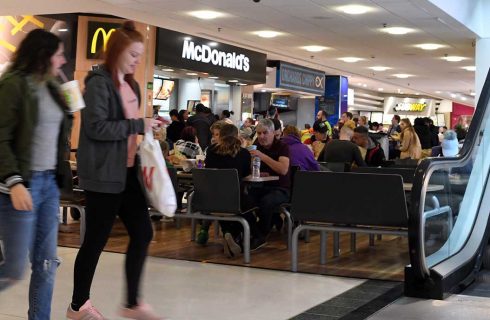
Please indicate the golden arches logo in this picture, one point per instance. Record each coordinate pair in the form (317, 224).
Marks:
(105, 38)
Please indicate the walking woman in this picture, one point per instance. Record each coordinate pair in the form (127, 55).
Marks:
(34, 126)
(410, 147)
(108, 173)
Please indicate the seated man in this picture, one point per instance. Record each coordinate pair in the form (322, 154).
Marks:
(342, 150)
(274, 157)
(371, 152)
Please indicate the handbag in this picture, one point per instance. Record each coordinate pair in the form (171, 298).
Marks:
(154, 175)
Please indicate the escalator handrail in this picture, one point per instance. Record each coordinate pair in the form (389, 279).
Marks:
(422, 174)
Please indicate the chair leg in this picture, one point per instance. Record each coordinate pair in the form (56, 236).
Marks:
(193, 229)
(246, 241)
(371, 240)
(307, 236)
(294, 248)
(289, 221)
(336, 246)
(379, 237)
(323, 247)
(216, 229)
(353, 242)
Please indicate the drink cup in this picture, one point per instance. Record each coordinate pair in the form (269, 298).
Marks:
(73, 95)
(252, 147)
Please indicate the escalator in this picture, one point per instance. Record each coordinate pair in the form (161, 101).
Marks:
(449, 228)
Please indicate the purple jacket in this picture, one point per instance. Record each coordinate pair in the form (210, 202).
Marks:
(300, 155)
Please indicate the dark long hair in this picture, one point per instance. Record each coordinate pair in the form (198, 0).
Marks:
(229, 144)
(118, 42)
(188, 134)
(33, 56)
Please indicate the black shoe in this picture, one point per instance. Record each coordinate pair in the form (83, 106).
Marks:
(257, 243)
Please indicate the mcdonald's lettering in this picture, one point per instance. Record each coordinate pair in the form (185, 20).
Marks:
(148, 177)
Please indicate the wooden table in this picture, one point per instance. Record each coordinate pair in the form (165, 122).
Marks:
(261, 179)
(184, 175)
(430, 188)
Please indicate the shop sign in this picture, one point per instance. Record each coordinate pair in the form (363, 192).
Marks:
(410, 106)
(97, 36)
(179, 50)
(294, 77)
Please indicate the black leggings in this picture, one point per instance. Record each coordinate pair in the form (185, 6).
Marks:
(101, 211)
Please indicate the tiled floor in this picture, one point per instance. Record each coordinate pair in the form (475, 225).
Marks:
(453, 308)
(190, 290)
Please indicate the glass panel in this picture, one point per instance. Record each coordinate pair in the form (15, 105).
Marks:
(452, 201)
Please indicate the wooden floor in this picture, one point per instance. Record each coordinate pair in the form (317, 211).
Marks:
(386, 260)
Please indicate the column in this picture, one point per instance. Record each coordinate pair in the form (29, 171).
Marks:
(482, 63)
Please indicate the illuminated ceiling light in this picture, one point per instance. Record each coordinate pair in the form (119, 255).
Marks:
(314, 48)
(206, 14)
(430, 46)
(168, 70)
(243, 84)
(453, 58)
(351, 59)
(379, 68)
(212, 44)
(472, 93)
(416, 93)
(397, 30)
(267, 33)
(463, 98)
(364, 85)
(402, 75)
(380, 89)
(233, 81)
(191, 74)
(469, 68)
(213, 77)
(438, 92)
(263, 90)
(63, 30)
(354, 9)
(452, 95)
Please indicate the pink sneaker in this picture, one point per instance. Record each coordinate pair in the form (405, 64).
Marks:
(86, 312)
(140, 312)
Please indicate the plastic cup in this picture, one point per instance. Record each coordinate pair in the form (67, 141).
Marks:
(252, 147)
(73, 95)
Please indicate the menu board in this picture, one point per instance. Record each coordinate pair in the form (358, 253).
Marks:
(162, 88)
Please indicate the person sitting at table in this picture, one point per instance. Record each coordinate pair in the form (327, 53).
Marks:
(320, 132)
(299, 154)
(228, 154)
(371, 152)
(215, 128)
(274, 156)
(342, 149)
(188, 144)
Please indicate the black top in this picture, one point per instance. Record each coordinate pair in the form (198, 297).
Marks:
(424, 135)
(202, 124)
(174, 130)
(342, 151)
(277, 149)
(241, 161)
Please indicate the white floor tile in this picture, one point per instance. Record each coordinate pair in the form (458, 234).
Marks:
(190, 290)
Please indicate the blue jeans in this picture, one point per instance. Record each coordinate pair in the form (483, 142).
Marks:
(33, 233)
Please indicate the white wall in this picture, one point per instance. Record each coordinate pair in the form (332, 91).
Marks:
(305, 112)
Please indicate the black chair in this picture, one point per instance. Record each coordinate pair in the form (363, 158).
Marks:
(407, 174)
(343, 214)
(217, 192)
(71, 197)
(336, 166)
(285, 206)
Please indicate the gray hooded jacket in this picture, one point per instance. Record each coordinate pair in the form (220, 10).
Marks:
(103, 146)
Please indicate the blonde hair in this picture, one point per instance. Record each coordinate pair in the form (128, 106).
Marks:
(292, 131)
(350, 124)
(409, 127)
(229, 144)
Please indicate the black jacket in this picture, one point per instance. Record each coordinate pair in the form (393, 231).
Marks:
(423, 132)
(103, 146)
(174, 130)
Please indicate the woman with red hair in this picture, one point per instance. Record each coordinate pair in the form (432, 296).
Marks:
(108, 173)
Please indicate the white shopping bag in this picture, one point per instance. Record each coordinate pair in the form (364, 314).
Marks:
(154, 175)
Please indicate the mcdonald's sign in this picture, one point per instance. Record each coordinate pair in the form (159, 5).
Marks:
(97, 36)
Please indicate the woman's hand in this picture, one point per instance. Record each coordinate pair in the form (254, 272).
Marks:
(151, 123)
(21, 198)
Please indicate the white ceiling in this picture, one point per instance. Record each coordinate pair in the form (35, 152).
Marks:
(308, 22)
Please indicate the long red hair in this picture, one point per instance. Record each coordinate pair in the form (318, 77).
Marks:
(118, 42)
